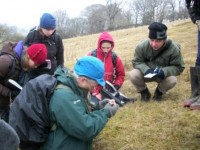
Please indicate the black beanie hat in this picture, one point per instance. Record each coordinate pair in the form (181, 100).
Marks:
(157, 31)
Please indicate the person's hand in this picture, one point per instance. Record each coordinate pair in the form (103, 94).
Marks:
(112, 107)
(98, 95)
(117, 87)
(160, 73)
(149, 71)
(102, 103)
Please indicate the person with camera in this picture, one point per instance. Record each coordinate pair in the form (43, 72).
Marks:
(76, 124)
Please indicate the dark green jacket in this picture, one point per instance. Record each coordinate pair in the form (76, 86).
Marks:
(76, 126)
(170, 60)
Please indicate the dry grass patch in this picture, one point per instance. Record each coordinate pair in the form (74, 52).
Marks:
(164, 125)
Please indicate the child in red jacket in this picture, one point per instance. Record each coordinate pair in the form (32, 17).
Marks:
(114, 68)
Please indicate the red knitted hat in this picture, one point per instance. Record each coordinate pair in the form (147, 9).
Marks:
(37, 53)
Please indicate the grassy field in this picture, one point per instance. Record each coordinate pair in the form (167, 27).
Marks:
(164, 125)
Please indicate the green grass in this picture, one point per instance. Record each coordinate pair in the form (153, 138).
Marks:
(164, 125)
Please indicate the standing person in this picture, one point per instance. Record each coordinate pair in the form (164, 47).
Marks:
(114, 68)
(76, 125)
(46, 33)
(157, 55)
(14, 59)
(193, 102)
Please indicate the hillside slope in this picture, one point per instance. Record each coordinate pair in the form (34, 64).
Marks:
(153, 125)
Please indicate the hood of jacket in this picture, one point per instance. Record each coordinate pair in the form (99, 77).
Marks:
(66, 77)
(105, 36)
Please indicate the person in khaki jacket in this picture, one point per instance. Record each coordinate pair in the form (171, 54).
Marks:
(157, 56)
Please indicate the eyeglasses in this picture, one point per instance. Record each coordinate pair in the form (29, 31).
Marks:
(92, 82)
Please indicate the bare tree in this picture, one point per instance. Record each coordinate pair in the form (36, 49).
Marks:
(136, 11)
(62, 22)
(147, 11)
(76, 27)
(9, 33)
(126, 20)
(182, 12)
(172, 5)
(117, 15)
(113, 8)
(96, 18)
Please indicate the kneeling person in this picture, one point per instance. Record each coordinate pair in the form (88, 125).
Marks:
(160, 56)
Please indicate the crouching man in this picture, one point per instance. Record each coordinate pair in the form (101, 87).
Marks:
(159, 57)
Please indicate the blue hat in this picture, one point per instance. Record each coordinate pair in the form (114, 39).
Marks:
(47, 21)
(90, 67)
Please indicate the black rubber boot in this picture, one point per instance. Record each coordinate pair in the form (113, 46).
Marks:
(195, 86)
(157, 95)
(145, 95)
(195, 79)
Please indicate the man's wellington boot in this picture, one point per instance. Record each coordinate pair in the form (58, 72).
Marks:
(145, 95)
(195, 105)
(157, 95)
(195, 86)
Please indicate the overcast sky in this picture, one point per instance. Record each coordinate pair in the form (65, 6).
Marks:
(26, 13)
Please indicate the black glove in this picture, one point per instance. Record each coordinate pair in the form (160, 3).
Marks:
(109, 88)
(149, 71)
(112, 109)
(116, 87)
(194, 14)
(160, 73)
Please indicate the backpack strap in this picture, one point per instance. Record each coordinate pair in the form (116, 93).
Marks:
(114, 61)
(94, 53)
(60, 86)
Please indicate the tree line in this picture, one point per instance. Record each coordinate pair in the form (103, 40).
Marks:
(114, 15)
